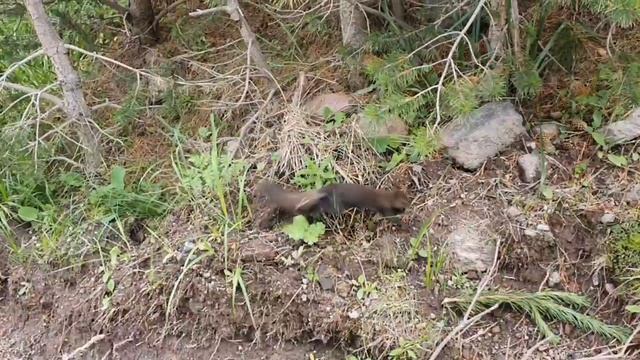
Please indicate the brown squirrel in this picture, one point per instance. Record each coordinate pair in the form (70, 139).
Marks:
(333, 199)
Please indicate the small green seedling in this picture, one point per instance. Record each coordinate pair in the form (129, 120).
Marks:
(300, 229)
(315, 176)
(366, 289)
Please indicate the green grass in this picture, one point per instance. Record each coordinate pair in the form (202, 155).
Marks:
(546, 306)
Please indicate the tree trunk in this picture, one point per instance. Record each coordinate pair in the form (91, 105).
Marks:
(141, 17)
(353, 23)
(397, 9)
(74, 102)
(497, 30)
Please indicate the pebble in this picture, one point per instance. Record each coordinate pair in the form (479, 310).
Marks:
(530, 233)
(607, 218)
(543, 227)
(513, 212)
(354, 314)
(554, 279)
(495, 329)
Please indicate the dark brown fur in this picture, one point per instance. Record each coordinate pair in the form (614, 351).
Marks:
(279, 201)
(342, 197)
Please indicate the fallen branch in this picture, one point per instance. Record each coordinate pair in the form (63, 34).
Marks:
(31, 91)
(84, 347)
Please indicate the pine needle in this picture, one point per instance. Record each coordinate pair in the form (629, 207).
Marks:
(547, 306)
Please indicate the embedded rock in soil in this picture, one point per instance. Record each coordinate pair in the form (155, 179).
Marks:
(472, 247)
(607, 218)
(373, 128)
(326, 277)
(473, 139)
(632, 196)
(529, 167)
(623, 130)
(386, 250)
(259, 250)
(336, 102)
(549, 130)
(547, 134)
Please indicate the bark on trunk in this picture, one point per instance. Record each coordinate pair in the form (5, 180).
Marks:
(74, 102)
(141, 17)
(353, 23)
(397, 8)
(496, 33)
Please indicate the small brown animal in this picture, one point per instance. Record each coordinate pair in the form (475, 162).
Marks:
(280, 201)
(343, 196)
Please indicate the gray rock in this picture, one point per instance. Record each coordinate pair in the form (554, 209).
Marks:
(336, 102)
(513, 212)
(472, 140)
(326, 277)
(623, 130)
(472, 247)
(530, 167)
(554, 279)
(632, 195)
(550, 131)
(607, 218)
(531, 233)
(373, 128)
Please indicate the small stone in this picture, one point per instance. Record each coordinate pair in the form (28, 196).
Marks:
(548, 131)
(554, 279)
(326, 277)
(556, 115)
(513, 212)
(342, 289)
(495, 329)
(633, 195)
(336, 102)
(607, 218)
(543, 228)
(432, 316)
(354, 314)
(472, 247)
(373, 128)
(611, 289)
(568, 329)
(623, 130)
(595, 279)
(471, 140)
(530, 233)
(472, 275)
(529, 167)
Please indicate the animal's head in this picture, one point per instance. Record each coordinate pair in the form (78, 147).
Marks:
(399, 201)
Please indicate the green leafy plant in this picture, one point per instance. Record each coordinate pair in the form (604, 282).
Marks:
(407, 350)
(435, 258)
(300, 229)
(333, 120)
(546, 306)
(115, 200)
(107, 276)
(237, 282)
(208, 178)
(365, 288)
(315, 176)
